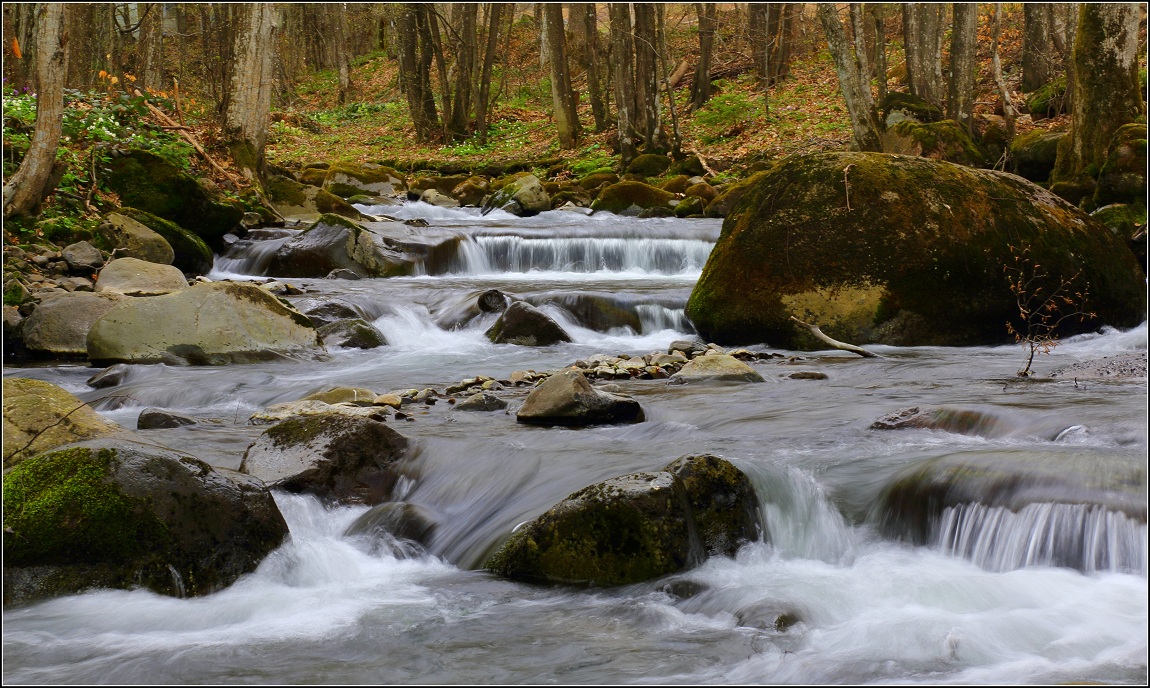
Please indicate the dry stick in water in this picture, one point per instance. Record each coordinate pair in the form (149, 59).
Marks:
(834, 343)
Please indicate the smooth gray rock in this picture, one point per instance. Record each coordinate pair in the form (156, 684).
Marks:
(526, 325)
(135, 277)
(60, 324)
(567, 398)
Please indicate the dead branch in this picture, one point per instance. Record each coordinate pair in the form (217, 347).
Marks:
(834, 343)
(190, 139)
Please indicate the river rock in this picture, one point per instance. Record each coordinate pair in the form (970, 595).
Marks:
(82, 257)
(332, 311)
(189, 252)
(481, 401)
(492, 301)
(635, 527)
(39, 416)
(353, 333)
(349, 179)
(918, 259)
(525, 325)
(1032, 154)
(471, 191)
(632, 198)
(1127, 366)
(943, 140)
(717, 367)
(649, 165)
(334, 456)
(277, 413)
(567, 398)
(599, 312)
(1122, 178)
(394, 521)
(303, 202)
(437, 199)
(133, 239)
(135, 277)
(116, 514)
(368, 249)
(155, 419)
(207, 324)
(359, 396)
(150, 183)
(110, 376)
(979, 422)
(524, 197)
(60, 325)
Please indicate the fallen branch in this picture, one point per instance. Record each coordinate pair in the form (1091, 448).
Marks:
(702, 161)
(834, 343)
(190, 139)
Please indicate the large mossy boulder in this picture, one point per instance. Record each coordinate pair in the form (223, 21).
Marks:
(526, 325)
(117, 514)
(347, 179)
(1122, 178)
(649, 165)
(59, 326)
(900, 107)
(337, 457)
(304, 202)
(1048, 100)
(189, 252)
(943, 140)
(207, 324)
(729, 197)
(1033, 154)
(919, 258)
(147, 181)
(369, 249)
(39, 416)
(133, 239)
(567, 398)
(631, 198)
(636, 527)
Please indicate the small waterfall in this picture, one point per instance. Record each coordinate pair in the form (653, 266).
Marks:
(1080, 536)
(178, 582)
(656, 318)
(510, 253)
(250, 256)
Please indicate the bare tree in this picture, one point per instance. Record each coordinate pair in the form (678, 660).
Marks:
(150, 48)
(415, 68)
(879, 16)
(1037, 44)
(566, 118)
(866, 131)
(922, 35)
(30, 184)
(701, 87)
(483, 95)
(647, 110)
(963, 60)
(250, 91)
(623, 56)
(591, 57)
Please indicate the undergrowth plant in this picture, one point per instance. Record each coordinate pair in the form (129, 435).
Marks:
(1041, 309)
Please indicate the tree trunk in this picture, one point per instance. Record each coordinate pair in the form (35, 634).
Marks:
(465, 58)
(963, 61)
(701, 87)
(758, 19)
(249, 105)
(922, 32)
(622, 53)
(865, 127)
(1037, 44)
(19, 25)
(591, 48)
(415, 69)
(661, 32)
(1106, 90)
(861, 48)
(647, 108)
(880, 67)
(150, 48)
(24, 191)
(996, 64)
(338, 53)
(566, 119)
(430, 37)
(484, 95)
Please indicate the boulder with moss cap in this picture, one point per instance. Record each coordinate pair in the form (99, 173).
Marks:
(918, 259)
(39, 416)
(346, 179)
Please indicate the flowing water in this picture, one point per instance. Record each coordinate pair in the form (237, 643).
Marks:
(1052, 592)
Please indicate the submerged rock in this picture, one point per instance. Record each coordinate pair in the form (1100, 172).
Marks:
(526, 325)
(117, 514)
(153, 419)
(635, 527)
(567, 398)
(333, 456)
(355, 333)
(207, 324)
(918, 259)
(398, 520)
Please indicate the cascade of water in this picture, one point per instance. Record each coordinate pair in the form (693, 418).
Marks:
(247, 257)
(656, 318)
(510, 253)
(1084, 537)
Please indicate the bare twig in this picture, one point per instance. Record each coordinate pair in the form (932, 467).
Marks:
(834, 343)
(847, 184)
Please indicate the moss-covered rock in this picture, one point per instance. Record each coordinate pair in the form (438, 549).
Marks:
(898, 107)
(631, 198)
(443, 184)
(471, 191)
(299, 201)
(39, 416)
(1048, 100)
(597, 178)
(1122, 178)
(649, 165)
(312, 176)
(690, 165)
(676, 185)
(729, 197)
(133, 239)
(701, 190)
(692, 206)
(1033, 154)
(919, 258)
(635, 527)
(348, 179)
(147, 181)
(992, 135)
(117, 514)
(189, 252)
(1128, 221)
(334, 456)
(206, 324)
(524, 196)
(942, 140)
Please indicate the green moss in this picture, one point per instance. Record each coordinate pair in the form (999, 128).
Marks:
(910, 105)
(286, 191)
(313, 176)
(60, 508)
(692, 206)
(1034, 153)
(192, 255)
(649, 165)
(14, 292)
(365, 174)
(330, 203)
(943, 140)
(630, 197)
(1048, 100)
